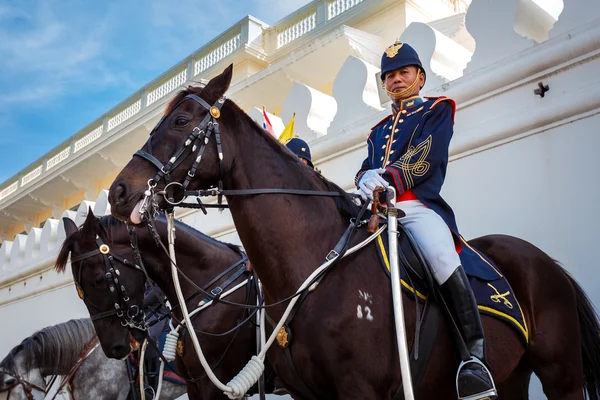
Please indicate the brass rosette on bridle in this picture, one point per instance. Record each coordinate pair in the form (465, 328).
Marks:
(215, 112)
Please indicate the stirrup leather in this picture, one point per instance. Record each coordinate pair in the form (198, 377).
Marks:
(488, 394)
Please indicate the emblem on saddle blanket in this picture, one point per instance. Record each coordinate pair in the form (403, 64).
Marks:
(492, 291)
(497, 298)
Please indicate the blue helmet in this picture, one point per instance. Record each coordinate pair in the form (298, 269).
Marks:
(300, 148)
(397, 56)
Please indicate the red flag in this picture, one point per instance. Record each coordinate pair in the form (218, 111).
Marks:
(266, 123)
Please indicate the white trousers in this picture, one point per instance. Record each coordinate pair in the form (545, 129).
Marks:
(433, 237)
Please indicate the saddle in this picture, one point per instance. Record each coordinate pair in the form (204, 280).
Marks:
(492, 291)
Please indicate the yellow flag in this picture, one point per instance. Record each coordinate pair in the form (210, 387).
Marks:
(288, 131)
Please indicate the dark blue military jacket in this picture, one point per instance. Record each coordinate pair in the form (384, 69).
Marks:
(412, 146)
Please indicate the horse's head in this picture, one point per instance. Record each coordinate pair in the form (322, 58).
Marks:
(8, 384)
(107, 280)
(183, 152)
(19, 388)
(19, 379)
(7, 381)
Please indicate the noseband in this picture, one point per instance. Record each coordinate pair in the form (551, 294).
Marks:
(130, 314)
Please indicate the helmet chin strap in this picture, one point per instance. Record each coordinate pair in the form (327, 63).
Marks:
(403, 93)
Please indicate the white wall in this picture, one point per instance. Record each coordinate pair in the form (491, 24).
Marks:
(543, 188)
(25, 317)
(520, 164)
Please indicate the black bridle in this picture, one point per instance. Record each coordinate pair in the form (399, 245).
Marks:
(195, 144)
(175, 192)
(130, 314)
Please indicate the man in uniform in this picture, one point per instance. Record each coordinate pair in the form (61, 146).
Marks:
(409, 150)
(300, 148)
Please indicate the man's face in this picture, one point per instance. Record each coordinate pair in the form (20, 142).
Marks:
(305, 161)
(400, 79)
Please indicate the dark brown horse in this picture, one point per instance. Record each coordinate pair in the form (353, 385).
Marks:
(201, 258)
(336, 354)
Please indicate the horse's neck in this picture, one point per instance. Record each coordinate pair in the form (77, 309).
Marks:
(100, 377)
(200, 259)
(280, 230)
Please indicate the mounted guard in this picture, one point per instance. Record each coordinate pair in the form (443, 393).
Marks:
(408, 150)
(360, 364)
(300, 148)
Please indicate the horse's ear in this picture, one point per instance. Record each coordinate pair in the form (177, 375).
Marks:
(220, 83)
(91, 223)
(70, 227)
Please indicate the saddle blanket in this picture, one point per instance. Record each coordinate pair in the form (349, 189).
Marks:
(494, 295)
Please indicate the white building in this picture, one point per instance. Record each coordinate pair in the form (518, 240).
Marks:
(521, 163)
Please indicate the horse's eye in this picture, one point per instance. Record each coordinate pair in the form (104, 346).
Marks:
(99, 280)
(181, 121)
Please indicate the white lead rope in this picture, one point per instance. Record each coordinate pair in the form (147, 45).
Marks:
(170, 349)
(250, 374)
(184, 311)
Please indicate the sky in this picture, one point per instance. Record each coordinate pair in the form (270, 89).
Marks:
(64, 63)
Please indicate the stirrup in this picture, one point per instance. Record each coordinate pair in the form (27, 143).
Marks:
(490, 394)
(149, 388)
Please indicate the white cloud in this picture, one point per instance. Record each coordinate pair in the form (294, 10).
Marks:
(57, 47)
(50, 53)
(55, 51)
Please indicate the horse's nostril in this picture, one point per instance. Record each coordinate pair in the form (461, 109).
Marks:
(120, 192)
(119, 351)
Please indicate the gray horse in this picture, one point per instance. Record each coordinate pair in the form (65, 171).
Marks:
(54, 351)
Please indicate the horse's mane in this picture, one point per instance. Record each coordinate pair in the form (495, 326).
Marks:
(54, 348)
(242, 121)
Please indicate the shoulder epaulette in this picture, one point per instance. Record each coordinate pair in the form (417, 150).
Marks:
(382, 121)
(443, 98)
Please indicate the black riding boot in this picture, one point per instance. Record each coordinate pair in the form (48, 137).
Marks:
(474, 379)
(152, 369)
